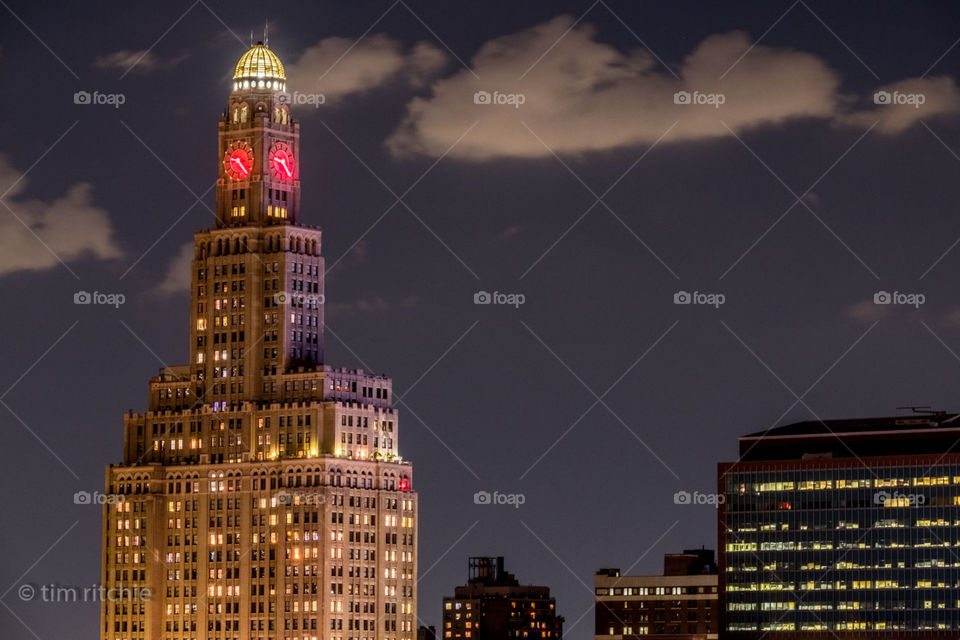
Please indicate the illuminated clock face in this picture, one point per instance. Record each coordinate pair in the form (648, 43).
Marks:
(238, 160)
(282, 165)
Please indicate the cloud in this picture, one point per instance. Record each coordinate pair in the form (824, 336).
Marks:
(952, 317)
(371, 305)
(177, 278)
(584, 95)
(71, 226)
(125, 59)
(362, 306)
(900, 105)
(143, 61)
(866, 311)
(336, 70)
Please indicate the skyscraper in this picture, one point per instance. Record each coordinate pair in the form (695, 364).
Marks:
(843, 529)
(263, 494)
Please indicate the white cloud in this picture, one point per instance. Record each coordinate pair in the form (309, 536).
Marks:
(900, 105)
(125, 59)
(584, 95)
(143, 61)
(333, 68)
(177, 278)
(867, 311)
(71, 226)
(362, 306)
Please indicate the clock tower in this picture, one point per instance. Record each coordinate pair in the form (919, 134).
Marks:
(258, 276)
(259, 141)
(261, 495)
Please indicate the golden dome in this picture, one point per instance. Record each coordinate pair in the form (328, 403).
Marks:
(259, 68)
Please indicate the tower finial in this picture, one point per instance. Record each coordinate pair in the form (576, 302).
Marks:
(266, 33)
(251, 38)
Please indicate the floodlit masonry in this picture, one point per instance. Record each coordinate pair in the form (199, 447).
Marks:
(264, 494)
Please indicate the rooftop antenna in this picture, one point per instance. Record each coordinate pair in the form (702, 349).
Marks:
(251, 38)
(266, 33)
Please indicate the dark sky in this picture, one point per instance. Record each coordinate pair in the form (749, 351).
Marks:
(500, 398)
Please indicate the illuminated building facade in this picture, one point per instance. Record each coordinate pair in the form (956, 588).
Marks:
(494, 606)
(263, 494)
(843, 528)
(681, 604)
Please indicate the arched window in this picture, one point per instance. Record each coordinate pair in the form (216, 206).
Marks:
(243, 113)
(236, 115)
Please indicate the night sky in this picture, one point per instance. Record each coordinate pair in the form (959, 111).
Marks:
(597, 199)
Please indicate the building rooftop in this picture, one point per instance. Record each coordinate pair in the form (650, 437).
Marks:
(691, 562)
(917, 433)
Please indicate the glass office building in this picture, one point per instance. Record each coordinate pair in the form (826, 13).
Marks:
(847, 528)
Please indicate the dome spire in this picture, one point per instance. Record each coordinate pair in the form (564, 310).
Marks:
(259, 68)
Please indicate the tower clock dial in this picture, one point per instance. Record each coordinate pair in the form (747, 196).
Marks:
(238, 160)
(282, 164)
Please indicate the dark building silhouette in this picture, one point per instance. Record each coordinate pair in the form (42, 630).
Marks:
(680, 604)
(493, 605)
(427, 633)
(843, 529)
